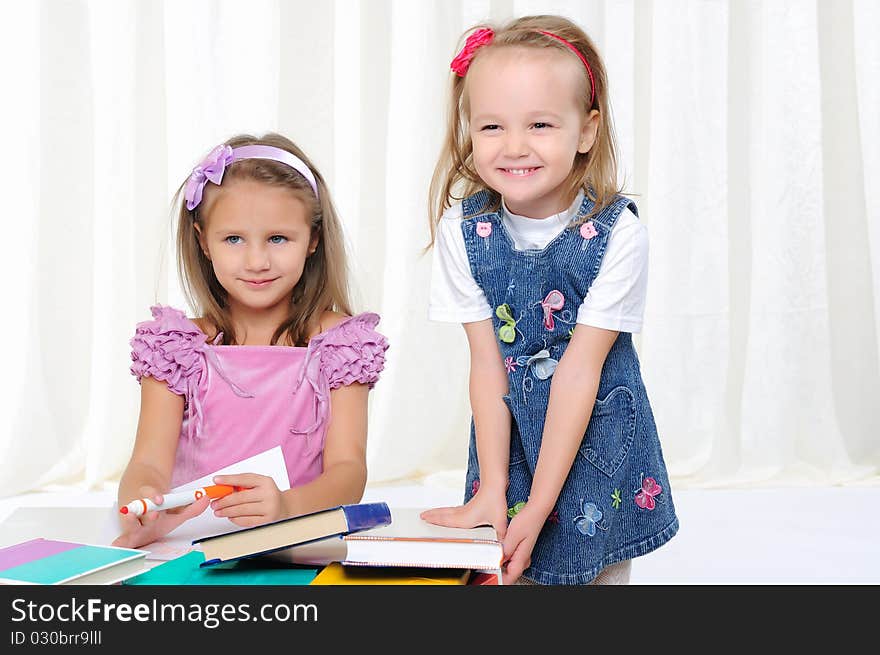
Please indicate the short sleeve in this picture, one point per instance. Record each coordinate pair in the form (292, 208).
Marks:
(167, 348)
(455, 296)
(352, 351)
(616, 299)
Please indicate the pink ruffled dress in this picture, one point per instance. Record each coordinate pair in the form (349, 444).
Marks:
(243, 400)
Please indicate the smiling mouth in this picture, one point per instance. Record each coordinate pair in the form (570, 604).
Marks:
(519, 172)
(259, 283)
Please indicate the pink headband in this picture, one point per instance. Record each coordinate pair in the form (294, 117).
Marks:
(484, 36)
(213, 166)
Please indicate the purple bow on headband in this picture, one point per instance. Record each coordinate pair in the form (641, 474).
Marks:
(210, 169)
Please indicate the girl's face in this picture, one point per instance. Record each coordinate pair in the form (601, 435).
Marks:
(257, 238)
(526, 124)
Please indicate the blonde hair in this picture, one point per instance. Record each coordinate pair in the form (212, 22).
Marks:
(455, 177)
(324, 282)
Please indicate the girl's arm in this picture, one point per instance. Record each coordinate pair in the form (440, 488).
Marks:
(155, 443)
(148, 473)
(488, 385)
(342, 480)
(573, 390)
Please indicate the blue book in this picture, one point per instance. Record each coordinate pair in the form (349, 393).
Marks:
(273, 537)
(187, 570)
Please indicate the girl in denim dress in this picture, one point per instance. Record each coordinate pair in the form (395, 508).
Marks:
(274, 357)
(545, 265)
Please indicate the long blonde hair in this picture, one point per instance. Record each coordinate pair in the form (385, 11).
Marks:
(324, 282)
(455, 177)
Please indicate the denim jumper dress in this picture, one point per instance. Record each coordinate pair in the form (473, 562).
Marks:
(616, 502)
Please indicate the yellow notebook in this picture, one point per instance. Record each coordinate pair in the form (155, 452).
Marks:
(336, 574)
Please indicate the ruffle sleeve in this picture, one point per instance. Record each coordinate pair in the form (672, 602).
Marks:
(352, 351)
(167, 348)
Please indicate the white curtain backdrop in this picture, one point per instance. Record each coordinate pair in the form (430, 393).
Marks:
(749, 134)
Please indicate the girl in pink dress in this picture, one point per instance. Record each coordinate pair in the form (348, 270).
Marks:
(275, 359)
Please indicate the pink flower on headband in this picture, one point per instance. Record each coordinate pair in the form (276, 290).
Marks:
(210, 169)
(474, 42)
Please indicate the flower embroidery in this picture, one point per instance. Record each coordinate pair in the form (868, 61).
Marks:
(588, 230)
(484, 229)
(645, 496)
(510, 364)
(587, 522)
(554, 517)
(516, 509)
(616, 499)
(570, 333)
(552, 303)
(474, 42)
(475, 487)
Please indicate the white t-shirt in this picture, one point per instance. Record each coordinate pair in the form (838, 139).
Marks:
(615, 301)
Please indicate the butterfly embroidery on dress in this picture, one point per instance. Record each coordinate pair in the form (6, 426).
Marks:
(507, 332)
(541, 363)
(552, 307)
(553, 302)
(645, 495)
(587, 522)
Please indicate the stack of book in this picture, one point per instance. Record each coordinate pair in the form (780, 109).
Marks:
(367, 543)
(409, 549)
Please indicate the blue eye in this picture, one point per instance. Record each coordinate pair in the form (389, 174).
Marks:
(277, 238)
(233, 239)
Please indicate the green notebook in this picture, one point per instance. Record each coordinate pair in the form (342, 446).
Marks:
(185, 570)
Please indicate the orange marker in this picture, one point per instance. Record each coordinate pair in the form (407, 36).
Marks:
(179, 499)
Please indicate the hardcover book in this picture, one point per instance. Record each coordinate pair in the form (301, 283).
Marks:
(55, 562)
(280, 535)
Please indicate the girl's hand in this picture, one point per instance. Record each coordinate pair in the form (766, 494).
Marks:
(138, 531)
(260, 502)
(520, 540)
(486, 506)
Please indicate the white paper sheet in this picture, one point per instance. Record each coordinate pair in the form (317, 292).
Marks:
(179, 541)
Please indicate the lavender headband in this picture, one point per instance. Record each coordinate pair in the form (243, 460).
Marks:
(212, 167)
